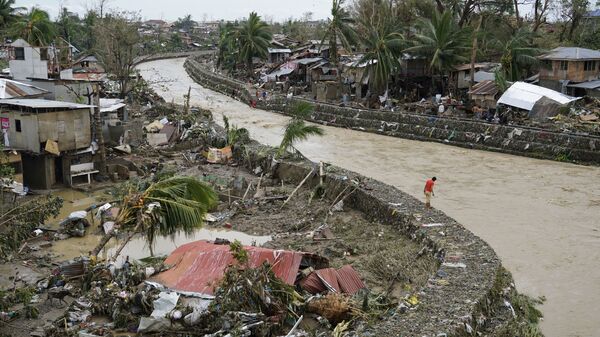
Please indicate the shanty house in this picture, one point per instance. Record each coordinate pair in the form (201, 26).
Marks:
(484, 94)
(52, 136)
(413, 66)
(460, 76)
(564, 65)
(14, 89)
(277, 55)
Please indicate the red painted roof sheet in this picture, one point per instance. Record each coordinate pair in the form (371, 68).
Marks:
(349, 280)
(328, 277)
(344, 280)
(199, 266)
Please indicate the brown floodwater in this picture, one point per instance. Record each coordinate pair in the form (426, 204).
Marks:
(138, 248)
(541, 217)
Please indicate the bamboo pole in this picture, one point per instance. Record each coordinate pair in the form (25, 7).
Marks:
(298, 187)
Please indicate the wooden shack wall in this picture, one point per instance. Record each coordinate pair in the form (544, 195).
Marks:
(71, 128)
(575, 72)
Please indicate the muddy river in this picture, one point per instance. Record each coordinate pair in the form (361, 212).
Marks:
(541, 217)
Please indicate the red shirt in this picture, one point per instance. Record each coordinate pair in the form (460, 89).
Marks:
(429, 185)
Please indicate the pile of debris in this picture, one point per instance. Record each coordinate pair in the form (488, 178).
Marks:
(204, 288)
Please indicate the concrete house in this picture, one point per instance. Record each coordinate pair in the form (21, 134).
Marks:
(563, 67)
(27, 61)
(54, 139)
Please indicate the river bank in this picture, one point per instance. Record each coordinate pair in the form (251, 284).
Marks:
(538, 215)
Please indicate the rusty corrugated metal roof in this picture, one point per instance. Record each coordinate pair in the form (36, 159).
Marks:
(344, 280)
(349, 280)
(199, 266)
(484, 88)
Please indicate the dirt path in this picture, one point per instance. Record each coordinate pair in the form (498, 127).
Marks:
(541, 217)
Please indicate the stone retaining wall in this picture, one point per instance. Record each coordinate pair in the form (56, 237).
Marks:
(464, 288)
(443, 309)
(525, 141)
(174, 55)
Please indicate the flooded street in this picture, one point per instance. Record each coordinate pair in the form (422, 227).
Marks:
(540, 216)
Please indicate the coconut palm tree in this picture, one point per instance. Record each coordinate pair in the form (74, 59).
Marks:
(339, 26)
(8, 13)
(253, 39)
(227, 53)
(519, 54)
(383, 43)
(35, 27)
(164, 208)
(297, 129)
(442, 41)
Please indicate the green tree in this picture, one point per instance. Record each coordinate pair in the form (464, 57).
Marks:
(35, 27)
(442, 41)
(235, 134)
(253, 40)
(519, 54)
(383, 43)
(185, 23)
(296, 129)
(163, 208)
(572, 12)
(8, 13)
(339, 27)
(227, 52)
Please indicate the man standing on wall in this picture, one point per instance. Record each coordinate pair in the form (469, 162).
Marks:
(428, 190)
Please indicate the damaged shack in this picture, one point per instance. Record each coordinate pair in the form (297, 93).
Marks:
(54, 139)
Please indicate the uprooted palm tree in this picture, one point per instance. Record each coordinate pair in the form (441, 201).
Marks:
(442, 41)
(297, 129)
(35, 27)
(164, 208)
(253, 40)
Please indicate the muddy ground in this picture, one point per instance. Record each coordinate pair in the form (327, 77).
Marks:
(540, 216)
(387, 261)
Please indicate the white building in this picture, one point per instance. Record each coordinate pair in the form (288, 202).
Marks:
(27, 61)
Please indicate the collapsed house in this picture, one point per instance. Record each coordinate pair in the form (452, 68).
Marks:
(197, 268)
(538, 101)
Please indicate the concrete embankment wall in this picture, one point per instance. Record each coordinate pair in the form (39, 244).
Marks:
(174, 55)
(466, 292)
(525, 141)
(443, 310)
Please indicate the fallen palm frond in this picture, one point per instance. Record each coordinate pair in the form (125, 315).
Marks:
(256, 290)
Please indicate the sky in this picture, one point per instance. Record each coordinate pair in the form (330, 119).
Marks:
(170, 10)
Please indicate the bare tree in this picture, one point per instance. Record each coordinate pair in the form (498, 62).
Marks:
(117, 46)
(540, 12)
